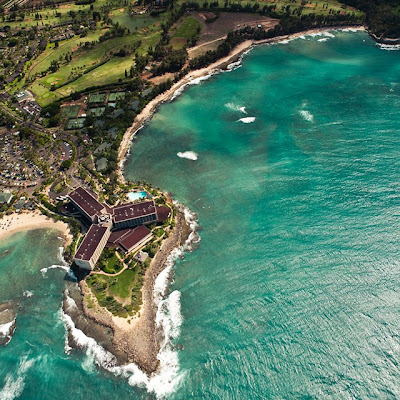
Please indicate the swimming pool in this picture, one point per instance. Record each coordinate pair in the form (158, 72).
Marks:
(136, 195)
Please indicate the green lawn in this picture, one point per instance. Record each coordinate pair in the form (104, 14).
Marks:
(99, 287)
(42, 63)
(106, 73)
(122, 284)
(112, 265)
(184, 31)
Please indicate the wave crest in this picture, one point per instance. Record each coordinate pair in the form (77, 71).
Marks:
(63, 265)
(195, 81)
(247, 120)
(190, 155)
(14, 385)
(307, 115)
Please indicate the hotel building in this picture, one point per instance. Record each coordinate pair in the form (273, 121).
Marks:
(127, 222)
(92, 246)
(131, 214)
(87, 204)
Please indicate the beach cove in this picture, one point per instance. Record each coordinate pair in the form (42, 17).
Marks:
(269, 285)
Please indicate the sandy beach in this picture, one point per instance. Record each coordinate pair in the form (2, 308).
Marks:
(219, 65)
(24, 221)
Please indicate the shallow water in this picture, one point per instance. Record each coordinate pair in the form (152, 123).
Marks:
(294, 290)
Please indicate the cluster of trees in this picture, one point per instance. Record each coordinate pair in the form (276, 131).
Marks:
(382, 16)
(116, 31)
(172, 62)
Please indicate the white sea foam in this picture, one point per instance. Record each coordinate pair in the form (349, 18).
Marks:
(195, 81)
(235, 65)
(235, 107)
(70, 303)
(27, 293)
(55, 266)
(168, 320)
(388, 47)
(307, 115)
(247, 120)
(349, 29)
(6, 329)
(190, 155)
(14, 384)
(95, 354)
(63, 265)
(323, 40)
(324, 33)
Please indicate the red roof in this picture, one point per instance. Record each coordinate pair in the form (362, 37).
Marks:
(116, 236)
(133, 237)
(133, 210)
(86, 201)
(163, 213)
(90, 242)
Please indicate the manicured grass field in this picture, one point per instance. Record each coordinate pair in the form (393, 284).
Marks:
(112, 265)
(122, 287)
(187, 29)
(84, 59)
(42, 63)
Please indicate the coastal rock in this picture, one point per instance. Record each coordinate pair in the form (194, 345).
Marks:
(7, 323)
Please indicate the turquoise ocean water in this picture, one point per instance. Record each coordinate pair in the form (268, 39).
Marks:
(294, 291)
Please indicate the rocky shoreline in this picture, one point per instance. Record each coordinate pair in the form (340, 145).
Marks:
(140, 343)
(7, 322)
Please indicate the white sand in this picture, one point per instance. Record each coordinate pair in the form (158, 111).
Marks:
(24, 221)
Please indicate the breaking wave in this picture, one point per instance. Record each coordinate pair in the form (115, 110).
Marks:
(307, 115)
(388, 47)
(190, 155)
(247, 120)
(195, 81)
(27, 293)
(235, 107)
(14, 385)
(6, 329)
(325, 33)
(168, 320)
(63, 266)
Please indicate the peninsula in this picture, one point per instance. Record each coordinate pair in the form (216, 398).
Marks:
(78, 81)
